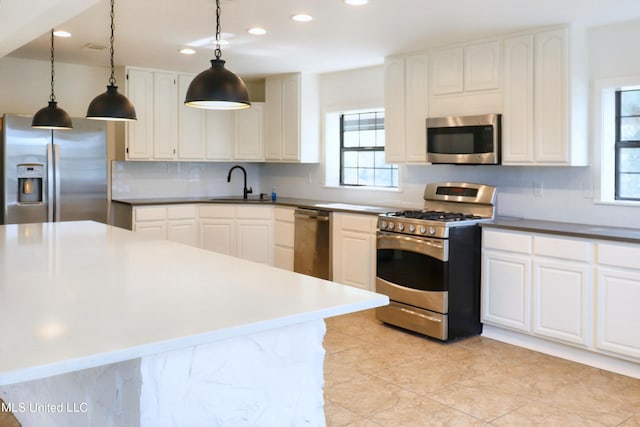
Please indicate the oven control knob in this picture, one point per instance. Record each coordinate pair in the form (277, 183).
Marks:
(432, 231)
(422, 229)
(391, 226)
(412, 228)
(400, 227)
(383, 224)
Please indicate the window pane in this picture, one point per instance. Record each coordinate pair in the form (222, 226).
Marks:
(366, 176)
(630, 129)
(384, 177)
(368, 138)
(350, 159)
(366, 159)
(351, 139)
(380, 138)
(630, 103)
(350, 176)
(629, 186)
(629, 160)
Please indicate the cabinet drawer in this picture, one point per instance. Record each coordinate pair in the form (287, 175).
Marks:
(506, 241)
(283, 214)
(254, 212)
(181, 212)
(217, 211)
(618, 255)
(283, 234)
(566, 248)
(151, 213)
(354, 222)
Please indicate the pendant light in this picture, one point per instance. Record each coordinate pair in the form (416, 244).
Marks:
(52, 117)
(111, 105)
(217, 88)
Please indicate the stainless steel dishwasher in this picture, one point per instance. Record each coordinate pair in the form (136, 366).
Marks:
(312, 245)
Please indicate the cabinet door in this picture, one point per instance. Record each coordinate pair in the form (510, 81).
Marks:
(273, 140)
(219, 134)
(447, 71)
(255, 241)
(191, 125)
(249, 133)
(562, 301)
(283, 237)
(517, 120)
(218, 235)
(416, 107)
(291, 92)
(618, 316)
(140, 132)
(394, 110)
(152, 229)
(506, 290)
(551, 96)
(182, 231)
(165, 115)
(482, 66)
(354, 259)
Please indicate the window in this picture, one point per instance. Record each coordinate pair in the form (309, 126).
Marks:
(362, 151)
(627, 145)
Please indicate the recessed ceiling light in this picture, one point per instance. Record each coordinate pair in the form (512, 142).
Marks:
(61, 33)
(257, 31)
(302, 17)
(187, 51)
(356, 2)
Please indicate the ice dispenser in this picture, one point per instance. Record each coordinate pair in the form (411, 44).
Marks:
(30, 178)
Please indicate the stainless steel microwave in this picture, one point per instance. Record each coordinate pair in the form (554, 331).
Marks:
(471, 140)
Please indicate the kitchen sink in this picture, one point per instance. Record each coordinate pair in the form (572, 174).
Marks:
(236, 199)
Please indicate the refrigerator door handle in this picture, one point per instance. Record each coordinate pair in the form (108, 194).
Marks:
(50, 183)
(56, 171)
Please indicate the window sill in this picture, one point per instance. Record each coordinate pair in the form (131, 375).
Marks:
(625, 203)
(363, 188)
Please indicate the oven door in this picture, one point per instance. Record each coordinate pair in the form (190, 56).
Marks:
(413, 270)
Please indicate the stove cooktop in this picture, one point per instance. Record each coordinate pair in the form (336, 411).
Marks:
(434, 215)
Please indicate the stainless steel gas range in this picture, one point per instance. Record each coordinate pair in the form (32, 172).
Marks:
(428, 261)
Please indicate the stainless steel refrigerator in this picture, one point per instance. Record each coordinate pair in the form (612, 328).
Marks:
(58, 175)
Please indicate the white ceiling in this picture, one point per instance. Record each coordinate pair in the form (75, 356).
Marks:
(150, 32)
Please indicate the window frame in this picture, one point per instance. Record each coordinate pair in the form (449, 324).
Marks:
(359, 149)
(619, 144)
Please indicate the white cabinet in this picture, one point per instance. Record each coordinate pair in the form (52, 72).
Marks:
(406, 107)
(354, 249)
(506, 280)
(546, 99)
(618, 294)
(249, 133)
(562, 289)
(173, 222)
(219, 134)
(292, 118)
(155, 134)
(474, 67)
(217, 228)
(191, 124)
(242, 231)
(283, 237)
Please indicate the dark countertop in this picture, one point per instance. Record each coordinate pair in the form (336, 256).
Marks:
(587, 231)
(255, 200)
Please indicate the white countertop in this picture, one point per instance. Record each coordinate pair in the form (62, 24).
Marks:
(76, 295)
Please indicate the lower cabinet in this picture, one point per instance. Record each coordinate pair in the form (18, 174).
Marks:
(217, 228)
(581, 292)
(354, 249)
(172, 222)
(283, 237)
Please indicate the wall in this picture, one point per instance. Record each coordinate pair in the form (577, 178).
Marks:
(567, 193)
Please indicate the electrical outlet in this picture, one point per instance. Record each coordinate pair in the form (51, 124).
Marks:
(537, 189)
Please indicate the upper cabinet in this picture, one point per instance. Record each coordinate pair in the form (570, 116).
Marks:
(292, 118)
(166, 129)
(406, 107)
(545, 99)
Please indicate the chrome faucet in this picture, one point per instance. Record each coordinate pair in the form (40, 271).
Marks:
(245, 190)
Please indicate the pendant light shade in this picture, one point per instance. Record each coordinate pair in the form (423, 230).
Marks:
(111, 105)
(217, 88)
(52, 117)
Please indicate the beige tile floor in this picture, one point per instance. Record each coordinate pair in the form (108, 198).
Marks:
(378, 375)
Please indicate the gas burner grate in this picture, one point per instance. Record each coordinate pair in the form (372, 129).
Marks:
(435, 215)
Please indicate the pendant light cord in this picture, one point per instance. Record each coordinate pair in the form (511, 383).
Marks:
(52, 98)
(112, 79)
(218, 52)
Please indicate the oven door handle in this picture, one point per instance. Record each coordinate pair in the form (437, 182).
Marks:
(437, 248)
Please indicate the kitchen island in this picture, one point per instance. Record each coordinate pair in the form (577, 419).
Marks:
(101, 326)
